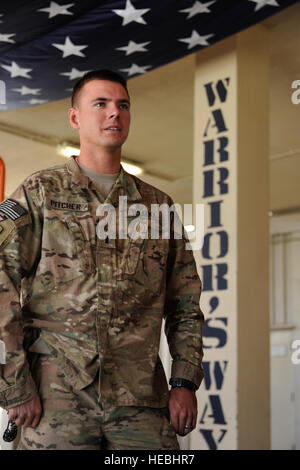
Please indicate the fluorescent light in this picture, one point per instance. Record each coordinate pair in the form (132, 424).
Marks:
(189, 228)
(132, 169)
(67, 150)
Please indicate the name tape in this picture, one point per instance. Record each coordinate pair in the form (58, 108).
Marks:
(66, 205)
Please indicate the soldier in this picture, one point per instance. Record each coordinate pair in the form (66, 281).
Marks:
(81, 314)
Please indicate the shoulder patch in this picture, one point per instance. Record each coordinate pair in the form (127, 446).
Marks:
(12, 209)
(7, 226)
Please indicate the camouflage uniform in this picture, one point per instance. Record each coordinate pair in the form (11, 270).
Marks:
(97, 304)
(75, 420)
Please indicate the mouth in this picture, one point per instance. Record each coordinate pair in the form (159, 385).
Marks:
(113, 129)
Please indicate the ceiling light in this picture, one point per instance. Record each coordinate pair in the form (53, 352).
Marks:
(67, 150)
(189, 228)
(131, 168)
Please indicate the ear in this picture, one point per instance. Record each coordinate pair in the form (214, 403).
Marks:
(73, 118)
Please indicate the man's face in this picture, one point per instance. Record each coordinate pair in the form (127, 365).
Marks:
(101, 114)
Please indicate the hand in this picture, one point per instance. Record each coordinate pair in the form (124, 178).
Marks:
(28, 414)
(183, 410)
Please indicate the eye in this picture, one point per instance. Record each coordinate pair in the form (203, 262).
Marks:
(124, 106)
(100, 104)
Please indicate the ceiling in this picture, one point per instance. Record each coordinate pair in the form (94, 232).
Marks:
(161, 137)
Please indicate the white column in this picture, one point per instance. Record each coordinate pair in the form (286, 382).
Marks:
(231, 142)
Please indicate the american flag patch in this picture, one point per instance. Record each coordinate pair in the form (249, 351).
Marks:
(12, 209)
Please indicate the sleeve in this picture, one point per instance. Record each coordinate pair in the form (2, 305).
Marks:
(183, 317)
(20, 235)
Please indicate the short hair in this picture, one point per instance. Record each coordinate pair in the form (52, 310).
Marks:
(101, 74)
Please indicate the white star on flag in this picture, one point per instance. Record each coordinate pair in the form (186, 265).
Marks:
(16, 71)
(134, 68)
(261, 3)
(198, 7)
(133, 47)
(6, 38)
(36, 101)
(132, 14)
(69, 48)
(75, 73)
(27, 91)
(196, 40)
(55, 9)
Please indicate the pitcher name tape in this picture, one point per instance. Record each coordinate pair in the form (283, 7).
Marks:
(67, 206)
(12, 209)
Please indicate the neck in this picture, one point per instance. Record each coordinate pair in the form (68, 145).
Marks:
(100, 160)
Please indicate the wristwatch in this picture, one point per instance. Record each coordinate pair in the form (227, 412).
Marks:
(183, 383)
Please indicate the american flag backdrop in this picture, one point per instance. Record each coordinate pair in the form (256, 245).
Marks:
(45, 46)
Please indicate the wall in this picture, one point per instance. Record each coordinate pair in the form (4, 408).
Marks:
(285, 328)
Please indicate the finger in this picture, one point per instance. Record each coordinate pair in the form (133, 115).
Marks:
(36, 420)
(174, 421)
(28, 420)
(20, 419)
(182, 423)
(12, 415)
(188, 427)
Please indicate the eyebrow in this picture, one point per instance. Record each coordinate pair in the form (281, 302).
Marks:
(122, 100)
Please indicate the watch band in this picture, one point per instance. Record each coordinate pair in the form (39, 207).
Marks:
(176, 382)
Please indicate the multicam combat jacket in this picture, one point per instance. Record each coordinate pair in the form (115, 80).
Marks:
(97, 304)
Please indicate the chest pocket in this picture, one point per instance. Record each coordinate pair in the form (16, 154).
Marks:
(129, 254)
(153, 266)
(143, 261)
(67, 251)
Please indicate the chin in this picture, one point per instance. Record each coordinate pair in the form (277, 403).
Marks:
(111, 147)
(114, 143)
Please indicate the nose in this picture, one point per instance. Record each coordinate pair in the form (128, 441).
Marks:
(114, 111)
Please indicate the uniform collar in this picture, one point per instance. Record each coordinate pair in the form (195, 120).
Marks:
(125, 184)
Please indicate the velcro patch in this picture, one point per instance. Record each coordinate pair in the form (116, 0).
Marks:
(12, 209)
(67, 206)
(6, 227)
